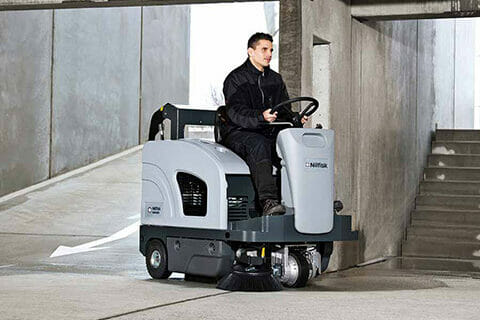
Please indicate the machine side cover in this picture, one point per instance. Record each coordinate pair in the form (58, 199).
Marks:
(162, 203)
(210, 258)
(308, 177)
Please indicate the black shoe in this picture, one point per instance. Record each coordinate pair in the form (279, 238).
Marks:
(272, 207)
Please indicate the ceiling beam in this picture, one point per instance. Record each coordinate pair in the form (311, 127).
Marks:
(409, 9)
(68, 4)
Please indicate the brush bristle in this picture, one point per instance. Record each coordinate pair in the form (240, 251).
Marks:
(240, 280)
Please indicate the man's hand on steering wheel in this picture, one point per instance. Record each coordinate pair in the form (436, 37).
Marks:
(304, 119)
(297, 119)
(269, 117)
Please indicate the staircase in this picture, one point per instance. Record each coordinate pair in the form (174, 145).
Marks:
(446, 221)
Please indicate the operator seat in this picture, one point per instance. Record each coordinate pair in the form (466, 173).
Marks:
(156, 120)
(220, 120)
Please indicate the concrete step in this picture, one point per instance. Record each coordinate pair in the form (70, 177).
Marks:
(451, 174)
(445, 265)
(418, 246)
(450, 187)
(457, 135)
(441, 217)
(443, 224)
(456, 147)
(446, 232)
(454, 160)
(454, 202)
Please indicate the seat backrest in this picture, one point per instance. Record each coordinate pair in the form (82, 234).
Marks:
(155, 122)
(220, 120)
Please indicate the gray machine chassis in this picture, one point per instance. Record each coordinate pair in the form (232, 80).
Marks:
(270, 229)
(209, 252)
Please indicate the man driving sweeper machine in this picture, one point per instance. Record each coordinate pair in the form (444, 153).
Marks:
(200, 213)
(250, 91)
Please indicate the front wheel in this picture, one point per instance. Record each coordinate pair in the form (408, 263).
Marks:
(156, 260)
(298, 270)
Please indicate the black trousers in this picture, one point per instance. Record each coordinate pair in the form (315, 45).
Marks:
(259, 152)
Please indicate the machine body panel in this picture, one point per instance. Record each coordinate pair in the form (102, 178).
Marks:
(199, 209)
(308, 176)
(168, 166)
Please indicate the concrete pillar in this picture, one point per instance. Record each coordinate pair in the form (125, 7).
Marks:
(290, 61)
(329, 21)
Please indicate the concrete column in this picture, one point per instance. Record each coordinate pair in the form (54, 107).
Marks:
(329, 21)
(290, 61)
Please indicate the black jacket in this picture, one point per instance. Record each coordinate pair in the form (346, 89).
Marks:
(248, 92)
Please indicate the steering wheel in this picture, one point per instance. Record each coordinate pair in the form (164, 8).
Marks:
(296, 118)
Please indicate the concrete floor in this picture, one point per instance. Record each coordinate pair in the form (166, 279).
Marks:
(110, 280)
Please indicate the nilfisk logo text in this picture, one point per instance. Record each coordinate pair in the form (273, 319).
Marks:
(315, 165)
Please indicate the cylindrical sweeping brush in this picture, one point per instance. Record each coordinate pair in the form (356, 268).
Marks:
(250, 278)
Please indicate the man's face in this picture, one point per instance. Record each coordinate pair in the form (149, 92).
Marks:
(262, 54)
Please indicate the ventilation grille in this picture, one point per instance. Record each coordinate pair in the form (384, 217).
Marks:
(194, 194)
(237, 208)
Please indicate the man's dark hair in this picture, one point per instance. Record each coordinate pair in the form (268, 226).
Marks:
(252, 42)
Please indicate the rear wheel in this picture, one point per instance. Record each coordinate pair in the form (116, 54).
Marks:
(156, 260)
(298, 270)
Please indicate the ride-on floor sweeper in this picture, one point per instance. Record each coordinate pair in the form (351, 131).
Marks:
(200, 215)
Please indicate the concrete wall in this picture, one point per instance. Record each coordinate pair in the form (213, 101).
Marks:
(404, 82)
(95, 85)
(92, 107)
(166, 33)
(25, 83)
(387, 169)
(389, 85)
